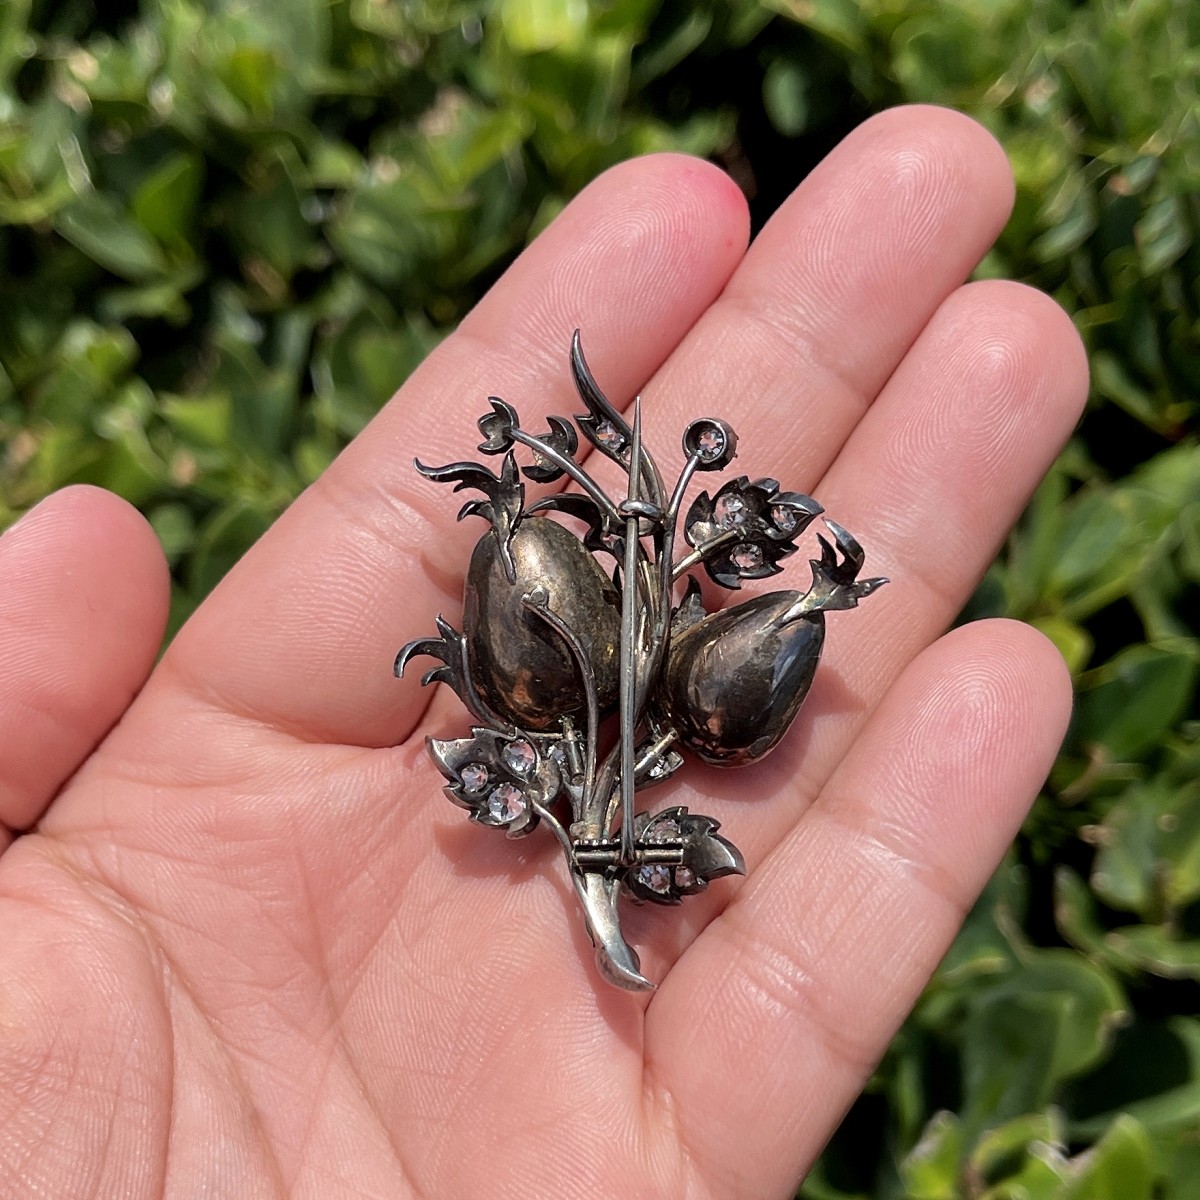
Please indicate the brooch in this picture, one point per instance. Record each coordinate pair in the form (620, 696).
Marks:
(552, 647)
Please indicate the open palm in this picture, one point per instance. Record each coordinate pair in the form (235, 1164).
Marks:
(248, 949)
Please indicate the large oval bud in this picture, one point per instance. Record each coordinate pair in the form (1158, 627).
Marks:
(518, 663)
(735, 680)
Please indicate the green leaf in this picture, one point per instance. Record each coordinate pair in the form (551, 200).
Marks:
(930, 1169)
(999, 1149)
(1039, 1025)
(1155, 949)
(1181, 1156)
(95, 224)
(785, 96)
(983, 947)
(1163, 235)
(1072, 641)
(200, 420)
(1040, 1177)
(472, 141)
(1119, 1167)
(165, 203)
(176, 529)
(1140, 693)
(250, 73)
(1010, 1044)
(88, 362)
(1176, 1109)
(843, 22)
(1125, 870)
(1075, 912)
(534, 25)
(268, 226)
(1091, 541)
(1149, 858)
(14, 19)
(1111, 379)
(687, 37)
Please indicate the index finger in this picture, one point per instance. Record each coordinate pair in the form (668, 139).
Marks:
(302, 633)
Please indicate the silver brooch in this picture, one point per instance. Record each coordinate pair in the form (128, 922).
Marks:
(552, 646)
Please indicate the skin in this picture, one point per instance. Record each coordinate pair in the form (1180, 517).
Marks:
(249, 949)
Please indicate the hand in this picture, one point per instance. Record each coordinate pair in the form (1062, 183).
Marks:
(250, 950)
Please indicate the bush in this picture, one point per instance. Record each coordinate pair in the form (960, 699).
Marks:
(230, 230)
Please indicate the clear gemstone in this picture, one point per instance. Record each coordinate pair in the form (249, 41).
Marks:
(786, 519)
(507, 803)
(711, 442)
(607, 434)
(656, 878)
(685, 877)
(519, 757)
(663, 831)
(666, 766)
(747, 557)
(474, 777)
(730, 511)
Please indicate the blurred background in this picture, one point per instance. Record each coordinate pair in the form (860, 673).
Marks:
(230, 228)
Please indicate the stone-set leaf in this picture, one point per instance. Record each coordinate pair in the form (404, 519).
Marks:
(703, 855)
(747, 528)
(499, 780)
(563, 439)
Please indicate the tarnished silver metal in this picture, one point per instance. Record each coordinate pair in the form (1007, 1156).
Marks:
(552, 648)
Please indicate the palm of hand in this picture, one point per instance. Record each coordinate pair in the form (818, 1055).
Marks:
(250, 949)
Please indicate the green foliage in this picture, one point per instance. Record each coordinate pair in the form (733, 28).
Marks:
(229, 230)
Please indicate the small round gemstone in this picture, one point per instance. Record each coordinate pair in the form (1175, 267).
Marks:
(710, 443)
(507, 803)
(663, 831)
(520, 757)
(747, 557)
(785, 519)
(607, 434)
(685, 877)
(474, 777)
(730, 511)
(657, 878)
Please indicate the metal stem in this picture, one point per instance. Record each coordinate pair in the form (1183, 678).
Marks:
(572, 468)
(690, 560)
(629, 622)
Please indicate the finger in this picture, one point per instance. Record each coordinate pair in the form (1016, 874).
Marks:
(834, 291)
(780, 1011)
(83, 604)
(931, 482)
(303, 633)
